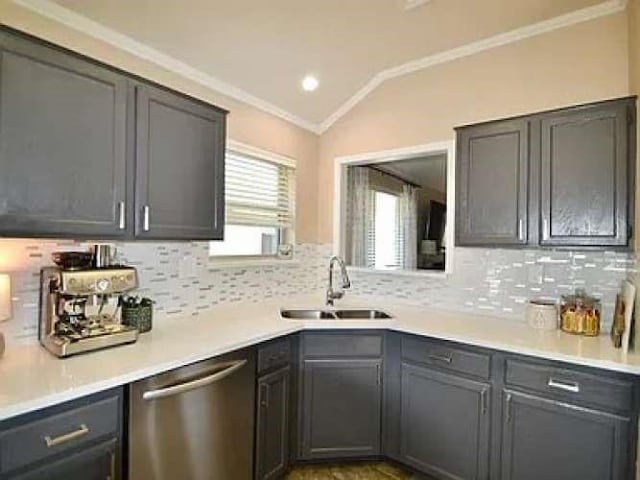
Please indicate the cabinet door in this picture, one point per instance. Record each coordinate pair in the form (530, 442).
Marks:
(444, 424)
(584, 176)
(272, 437)
(341, 408)
(180, 145)
(549, 439)
(62, 143)
(96, 463)
(492, 183)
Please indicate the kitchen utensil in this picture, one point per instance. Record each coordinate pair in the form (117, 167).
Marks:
(542, 314)
(138, 313)
(580, 314)
(628, 293)
(72, 260)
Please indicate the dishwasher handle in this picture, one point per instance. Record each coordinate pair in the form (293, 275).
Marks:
(230, 367)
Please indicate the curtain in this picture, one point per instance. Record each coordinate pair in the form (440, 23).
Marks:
(359, 216)
(409, 226)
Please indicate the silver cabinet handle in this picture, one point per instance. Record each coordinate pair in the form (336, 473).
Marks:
(228, 369)
(112, 469)
(145, 218)
(67, 437)
(264, 395)
(441, 358)
(121, 214)
(507, 408)
(573, 387)
(545, 229)
(521, 229)
(483, 401)
(378, 375)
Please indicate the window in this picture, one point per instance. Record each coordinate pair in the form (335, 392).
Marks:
(387, 242)
(259, 203)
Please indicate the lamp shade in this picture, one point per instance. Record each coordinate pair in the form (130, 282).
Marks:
(5, 297)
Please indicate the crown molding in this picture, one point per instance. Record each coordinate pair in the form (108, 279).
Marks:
(69, 18)
(590, 13)
(96, 30)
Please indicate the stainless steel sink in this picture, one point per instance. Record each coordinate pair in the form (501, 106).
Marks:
(361, 314)
(346, 314)
(307, 314)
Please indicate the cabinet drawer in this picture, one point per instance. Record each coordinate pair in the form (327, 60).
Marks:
(39, 439)
(274, 354)
(447, 357)
(342, 345)
(566, 384)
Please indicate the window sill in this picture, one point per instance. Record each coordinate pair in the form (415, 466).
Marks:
(234, 262)
(402, 273)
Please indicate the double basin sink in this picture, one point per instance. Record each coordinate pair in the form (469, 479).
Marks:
(344, 314)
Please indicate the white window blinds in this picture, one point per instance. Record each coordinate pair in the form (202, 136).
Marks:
(259, 192)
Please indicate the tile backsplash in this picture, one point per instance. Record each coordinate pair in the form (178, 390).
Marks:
(500, 281)
(183, 279)
(179, 276)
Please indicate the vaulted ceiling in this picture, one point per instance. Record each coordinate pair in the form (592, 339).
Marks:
(259, 50)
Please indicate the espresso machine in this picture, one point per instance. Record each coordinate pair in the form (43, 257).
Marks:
(80, 309)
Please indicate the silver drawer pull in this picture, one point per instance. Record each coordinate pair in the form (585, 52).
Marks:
(572, 387)
(145, 218)
(67, 437)
(441, 358)
(121, 216)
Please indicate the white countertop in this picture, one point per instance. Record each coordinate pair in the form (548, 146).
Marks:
(31, 378)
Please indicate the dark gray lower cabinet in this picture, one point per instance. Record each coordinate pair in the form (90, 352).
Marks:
(95, 463)
(444, 424)
(549, 439)
(78, 440)
(272, 438)
(341, 408)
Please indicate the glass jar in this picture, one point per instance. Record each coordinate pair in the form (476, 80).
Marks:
(580, 314)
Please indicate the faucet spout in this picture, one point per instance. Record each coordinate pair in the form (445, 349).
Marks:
(346, 282)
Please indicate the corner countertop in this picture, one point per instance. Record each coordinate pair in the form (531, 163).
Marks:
(31, 378)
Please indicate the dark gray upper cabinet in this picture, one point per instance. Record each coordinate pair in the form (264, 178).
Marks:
(559, 178)
(180, 145)
(584, 176)
(87, 151)
(492, 184)
(62, 143)
(544, 438)
(272, 427)
(341, 408)
(444, 424)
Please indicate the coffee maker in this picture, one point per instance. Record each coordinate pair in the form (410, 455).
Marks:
(80, 308)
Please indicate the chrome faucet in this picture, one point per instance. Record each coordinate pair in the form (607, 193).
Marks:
(346, 283)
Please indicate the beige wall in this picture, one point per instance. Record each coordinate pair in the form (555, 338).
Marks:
(246, 124)
(576, 64)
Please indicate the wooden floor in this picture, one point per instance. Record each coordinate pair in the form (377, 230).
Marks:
(366, 471)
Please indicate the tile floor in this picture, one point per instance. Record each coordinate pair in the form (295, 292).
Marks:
(367, 471)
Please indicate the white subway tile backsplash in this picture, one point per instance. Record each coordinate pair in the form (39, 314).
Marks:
(180, 277)
(184, 280)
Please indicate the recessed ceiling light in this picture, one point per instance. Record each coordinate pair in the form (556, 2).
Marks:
(310, 83)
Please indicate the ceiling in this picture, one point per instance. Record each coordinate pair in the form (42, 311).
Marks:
(429, 172)
(261, 49)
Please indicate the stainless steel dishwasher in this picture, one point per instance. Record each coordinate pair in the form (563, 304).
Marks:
(194, 423)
